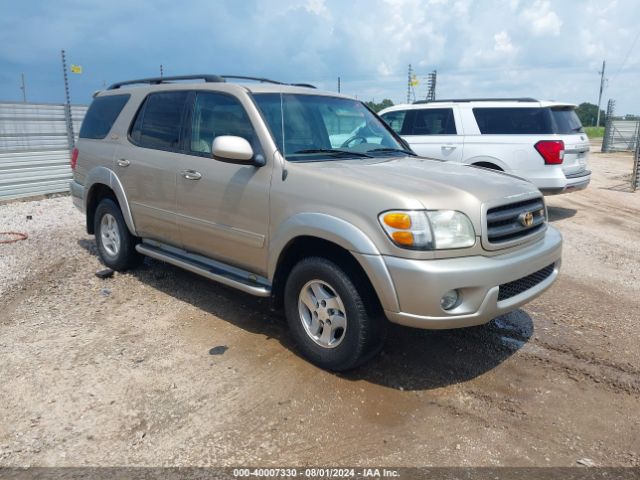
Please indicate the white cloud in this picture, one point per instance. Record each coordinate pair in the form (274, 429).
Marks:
(503, 43)
(317, 6)
(384, 70)
(541, 20)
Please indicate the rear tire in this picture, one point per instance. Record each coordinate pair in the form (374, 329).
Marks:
(116, 245)
(336, 325)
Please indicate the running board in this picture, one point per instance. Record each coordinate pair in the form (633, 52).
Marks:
(209, 269)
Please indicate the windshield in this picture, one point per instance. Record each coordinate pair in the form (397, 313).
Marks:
(321, 128)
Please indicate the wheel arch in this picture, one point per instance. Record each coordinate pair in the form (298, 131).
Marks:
(104, 183)
(326, 236)
(489, 162)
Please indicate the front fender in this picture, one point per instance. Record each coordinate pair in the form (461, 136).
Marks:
(106, 176)
(347, 236)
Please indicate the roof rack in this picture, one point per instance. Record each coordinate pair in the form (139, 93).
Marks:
(206, 77)
(159, 80)
(521, 99)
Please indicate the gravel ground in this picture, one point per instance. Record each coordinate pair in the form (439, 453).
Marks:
(160, 367)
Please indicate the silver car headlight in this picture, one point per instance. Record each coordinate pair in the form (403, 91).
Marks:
(451, 229)
(428, 230)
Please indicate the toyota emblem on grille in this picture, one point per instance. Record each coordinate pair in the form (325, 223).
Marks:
(526, 219)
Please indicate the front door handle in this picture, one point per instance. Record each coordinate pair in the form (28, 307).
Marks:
(123, 162)
(448, 147)
(191, 175)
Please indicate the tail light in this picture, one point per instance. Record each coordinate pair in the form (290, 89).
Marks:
(551, 150)
(74, 159)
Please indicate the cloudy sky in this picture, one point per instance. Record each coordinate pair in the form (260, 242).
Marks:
(541, 48)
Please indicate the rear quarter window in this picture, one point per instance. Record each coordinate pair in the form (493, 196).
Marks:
(514, 120)
(101, 116)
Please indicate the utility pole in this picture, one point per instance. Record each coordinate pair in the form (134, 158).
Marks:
(600, 94)
(67, 105)
(24, 89)
(409, 80)
(338, 84)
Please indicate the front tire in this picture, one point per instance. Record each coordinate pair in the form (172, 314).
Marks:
(335, 324)
(116, 245)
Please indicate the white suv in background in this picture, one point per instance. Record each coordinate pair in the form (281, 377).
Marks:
(540, 141)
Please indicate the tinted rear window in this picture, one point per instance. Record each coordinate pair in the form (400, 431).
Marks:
(561, 120)
(159, 121)
(102, 115)
(566, 120)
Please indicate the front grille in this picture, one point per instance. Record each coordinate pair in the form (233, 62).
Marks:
(508, 222)
(511, 289)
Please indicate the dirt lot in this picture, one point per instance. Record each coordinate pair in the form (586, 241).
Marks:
(122, 372)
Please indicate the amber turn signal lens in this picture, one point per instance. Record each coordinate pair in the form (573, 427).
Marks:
(401, 221)
(403, 238)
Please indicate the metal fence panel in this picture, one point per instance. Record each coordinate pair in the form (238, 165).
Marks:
(34, 152)
(635, 175)
(621, 135)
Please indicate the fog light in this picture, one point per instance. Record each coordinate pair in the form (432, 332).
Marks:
(450, 300)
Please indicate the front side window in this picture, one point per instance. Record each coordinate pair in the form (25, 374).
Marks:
(216, 114)
(395, 120)
(101, 116)
(159, 121)
(320, 128)
(430, 121)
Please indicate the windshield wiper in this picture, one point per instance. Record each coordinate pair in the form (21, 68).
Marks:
(334, 152)
(392, 150)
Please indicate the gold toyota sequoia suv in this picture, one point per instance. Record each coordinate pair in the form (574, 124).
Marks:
(307, 197)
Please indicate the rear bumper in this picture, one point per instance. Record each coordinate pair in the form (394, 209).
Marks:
(420, 284)
(575, 182)
(551, 180)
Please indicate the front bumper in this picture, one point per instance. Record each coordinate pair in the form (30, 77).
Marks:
(420, 284)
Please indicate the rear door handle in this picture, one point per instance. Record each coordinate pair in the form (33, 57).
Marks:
(191, 175)
(448, 147)
(123, 162)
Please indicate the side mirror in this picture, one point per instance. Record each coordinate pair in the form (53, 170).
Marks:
(227, 148)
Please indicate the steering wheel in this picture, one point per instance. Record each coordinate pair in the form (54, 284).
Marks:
(351, 140)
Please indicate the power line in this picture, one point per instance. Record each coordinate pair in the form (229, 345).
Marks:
(633, 44)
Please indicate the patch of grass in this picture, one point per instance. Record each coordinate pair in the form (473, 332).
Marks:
(594, 132)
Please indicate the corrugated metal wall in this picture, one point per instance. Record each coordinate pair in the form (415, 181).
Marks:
(621, 135)
(34, 151)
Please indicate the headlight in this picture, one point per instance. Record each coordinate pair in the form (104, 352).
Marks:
(451, 229)
(427, 230)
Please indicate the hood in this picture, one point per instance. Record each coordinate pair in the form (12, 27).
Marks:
(435, 184)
